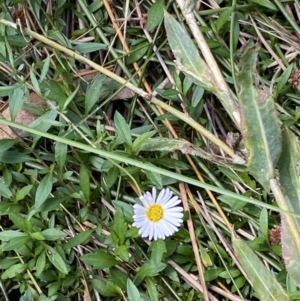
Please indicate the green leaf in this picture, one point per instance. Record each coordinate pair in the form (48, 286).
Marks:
(263, 281)
(122, 129)
(7, 90)
(6, 144)
(45, 68)
(283, 79)
(12, 157)
(259, 122)
(290, 253)
(93, 92)
(84, 179)
(43, 190)
(14, 270)
(118, 277)
(89, 47)
(16, 101)
(158, 248)
(140, 140)
(138, 52)
(5, 191)
(53, 234)
(21, 194)
(56, 259)
(40, 263)
(60, 154)
(15, 243)
(119, 227)
(79, 239)
(99, 259)
(224, 16)
(126, 209)
(187, 56)
(132, 291)
(122, 252)
(50, 204)
(151, 288)
(155, 178)
(263, 222)
(106, 287)
(265, 3)
(10, 234)
(288, 170)
(155, 14)
(112, 176)
(148, 269)
(21, 222)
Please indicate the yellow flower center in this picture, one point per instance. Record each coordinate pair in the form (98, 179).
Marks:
(155, 212)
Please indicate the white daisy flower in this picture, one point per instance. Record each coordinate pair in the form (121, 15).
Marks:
(158, 217)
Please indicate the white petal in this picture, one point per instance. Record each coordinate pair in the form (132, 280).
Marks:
(154, 193)
(165, 229)
(172, 202)
(171, 215)
(161, 196)
(175, 209)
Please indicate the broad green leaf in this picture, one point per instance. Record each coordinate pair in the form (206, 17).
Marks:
(21, 222)
(155, 14)
(53, 234)
(288, 170)
(99, 259)
(84, 179)
(13, 271)
(119, 227)
(13, 157)
(16, 101)
(40, 263)
(265, 3)
(126, 209)
(122, 129)
(15, 243)
(112, 176)
(283, 79)
(106, 287)
(50, 204)
(158, 248)
(45, 68)
(79, 239)
(187, 56)
(93, 92)
(263, 281)
(21, 193)
(140, 140)
(151, 288)
(289, 252)
(4, 190)
(10, 234)
(263, 222)
(224, 16)
(132, 291)
(7, 262)
(89, 47)
(35, 82)
(138, 52)
(260, 127)
(148, 269)
(6, 144)
(60, 154)
(56, 259)
(155, 178)
(118, 277)
(122, 252)
(43, 190)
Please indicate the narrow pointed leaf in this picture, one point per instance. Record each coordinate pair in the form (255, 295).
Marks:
(259, 122)
(263, 281)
